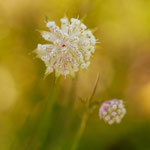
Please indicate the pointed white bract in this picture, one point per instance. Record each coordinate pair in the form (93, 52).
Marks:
(70, 47)
(112, 111)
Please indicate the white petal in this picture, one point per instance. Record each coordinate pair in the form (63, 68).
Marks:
(43, 50)
(50, 24)
(110, 122)
(48, 36)
(64, 24)
(75, 21)
(82, 26)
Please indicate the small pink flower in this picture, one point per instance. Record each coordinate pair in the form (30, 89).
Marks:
(112, 111)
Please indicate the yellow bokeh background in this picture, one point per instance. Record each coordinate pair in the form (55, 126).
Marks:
(122, 57)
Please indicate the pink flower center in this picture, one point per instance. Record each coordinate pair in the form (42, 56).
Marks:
(63, 45)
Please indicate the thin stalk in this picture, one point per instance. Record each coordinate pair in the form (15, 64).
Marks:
(45, 121)
(39, 126)
(47, 116)
(85, 117)
(94, 90)
(80, 131)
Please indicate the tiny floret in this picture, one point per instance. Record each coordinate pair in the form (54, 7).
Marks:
(112, 111)
(70, 47)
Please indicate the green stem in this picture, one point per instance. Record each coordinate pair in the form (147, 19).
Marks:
(80, 131)
(94, 90)
(45, 121)
(47, 116)
(85, 116)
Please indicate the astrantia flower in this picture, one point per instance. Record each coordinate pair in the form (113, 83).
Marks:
(112, 111)
(70, 48)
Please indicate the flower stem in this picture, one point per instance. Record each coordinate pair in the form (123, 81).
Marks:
(85, 116)
(80, 131)
(94, 90)
(45, 124)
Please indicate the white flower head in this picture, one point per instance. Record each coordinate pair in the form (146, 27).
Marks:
(70, 48)
(112, 111)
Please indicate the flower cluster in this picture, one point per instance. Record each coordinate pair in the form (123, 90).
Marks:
(112, 111)
(70, 48)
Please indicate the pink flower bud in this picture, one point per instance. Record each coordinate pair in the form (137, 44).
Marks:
(112, 111)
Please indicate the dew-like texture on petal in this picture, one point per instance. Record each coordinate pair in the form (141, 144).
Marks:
(70, 47)
(112, 111)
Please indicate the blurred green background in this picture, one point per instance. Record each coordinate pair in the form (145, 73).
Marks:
(36, 116)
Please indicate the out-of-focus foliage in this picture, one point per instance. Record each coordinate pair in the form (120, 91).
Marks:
(36, 116)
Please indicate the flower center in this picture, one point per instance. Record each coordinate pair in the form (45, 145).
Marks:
(63, 45)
